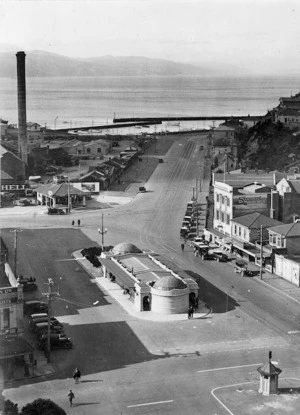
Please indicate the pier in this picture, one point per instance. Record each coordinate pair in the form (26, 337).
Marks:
(155, 120)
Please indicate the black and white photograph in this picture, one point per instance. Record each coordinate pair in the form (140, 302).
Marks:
(150, 207)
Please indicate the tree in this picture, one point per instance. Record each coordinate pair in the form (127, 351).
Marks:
(10, 408)
(42, 407)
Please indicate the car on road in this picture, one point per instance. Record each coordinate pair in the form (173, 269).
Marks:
(43, 319)
(55, 211)
(142, 189)
(35, 306)
(42, 328)
(23, 202)
(57, 341)
(220, 256)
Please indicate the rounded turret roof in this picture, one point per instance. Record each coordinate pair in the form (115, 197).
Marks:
(125, 248)
(170, 283)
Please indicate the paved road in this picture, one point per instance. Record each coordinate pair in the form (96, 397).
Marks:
(128, 362)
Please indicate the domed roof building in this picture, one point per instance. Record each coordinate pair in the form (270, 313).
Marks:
(149, 280)
(125, 248)
(170, 283)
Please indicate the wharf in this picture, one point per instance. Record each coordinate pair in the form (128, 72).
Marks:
(206, 118)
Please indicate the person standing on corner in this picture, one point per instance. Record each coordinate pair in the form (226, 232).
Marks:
(73, 222)
(182, 247)
(71, 396)
(78, 222)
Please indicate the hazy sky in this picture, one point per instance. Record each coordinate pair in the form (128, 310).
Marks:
(263, 35)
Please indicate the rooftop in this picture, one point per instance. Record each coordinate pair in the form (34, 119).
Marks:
(287, 230)
(255, 220)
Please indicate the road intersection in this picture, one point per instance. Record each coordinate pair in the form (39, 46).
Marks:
(133, 366)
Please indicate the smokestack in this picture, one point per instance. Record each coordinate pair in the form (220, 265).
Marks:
(22, 122)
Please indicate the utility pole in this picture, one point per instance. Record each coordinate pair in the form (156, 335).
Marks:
(261, 252)
(102, 232)
(49, 296)
(69, 209)
(16, 231)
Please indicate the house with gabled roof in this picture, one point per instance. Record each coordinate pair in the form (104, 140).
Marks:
(286, 236)
(33, 126)
(284, 240)
(247, 232)
(289, 117)
(60, 194)
(290, 102)
(289, 199)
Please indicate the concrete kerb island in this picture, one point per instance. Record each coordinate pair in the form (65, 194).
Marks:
(117, 293)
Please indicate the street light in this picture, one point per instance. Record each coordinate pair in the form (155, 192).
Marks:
(102, 232)
(15, 231)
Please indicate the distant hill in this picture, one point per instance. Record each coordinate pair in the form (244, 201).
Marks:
(45, 64)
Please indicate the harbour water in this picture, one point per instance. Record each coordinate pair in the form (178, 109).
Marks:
(90, 101)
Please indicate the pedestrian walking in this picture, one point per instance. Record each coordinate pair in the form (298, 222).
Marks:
(182, 247)
(78, 222)
(73, 222)
(191, 311)
(76, 375)
(71, 396)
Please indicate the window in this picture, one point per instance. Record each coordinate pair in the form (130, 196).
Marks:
(88, 150)
(240, 231)
(218, 214)
(245, 234)
(218, 197)
(222, 217)
(98, 150)
(272, 239)
(234, 229)
(6, 315)
(227, 220)
(222, 199)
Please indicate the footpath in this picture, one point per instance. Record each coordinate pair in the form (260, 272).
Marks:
(117, 293)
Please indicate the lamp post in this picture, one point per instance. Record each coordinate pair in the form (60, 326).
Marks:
(49, 296)
(69, 208)
(261, 252)
(102, 232)
(16, 231)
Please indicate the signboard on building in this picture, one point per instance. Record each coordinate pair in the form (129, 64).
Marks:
(88, 187)
(250, 202)
(8, 290)
(12, 187)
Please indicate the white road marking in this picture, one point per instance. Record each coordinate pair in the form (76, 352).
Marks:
(149, 403)
(227, 386)
(227, 368)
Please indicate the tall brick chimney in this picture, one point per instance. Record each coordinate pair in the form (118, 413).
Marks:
(22, 122)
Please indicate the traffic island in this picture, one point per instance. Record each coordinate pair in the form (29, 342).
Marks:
(246, 396)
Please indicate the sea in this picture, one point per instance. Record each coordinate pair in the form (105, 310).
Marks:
(62, 102)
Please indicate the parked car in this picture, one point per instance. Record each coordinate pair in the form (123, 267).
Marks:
(142, 189)
(57, 341)
(23, 202)
(43, 319)
(42, 328)
(220, 256)
(55, 211)
(35, 306)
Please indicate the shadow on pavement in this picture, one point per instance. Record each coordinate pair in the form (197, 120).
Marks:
(219, 301)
